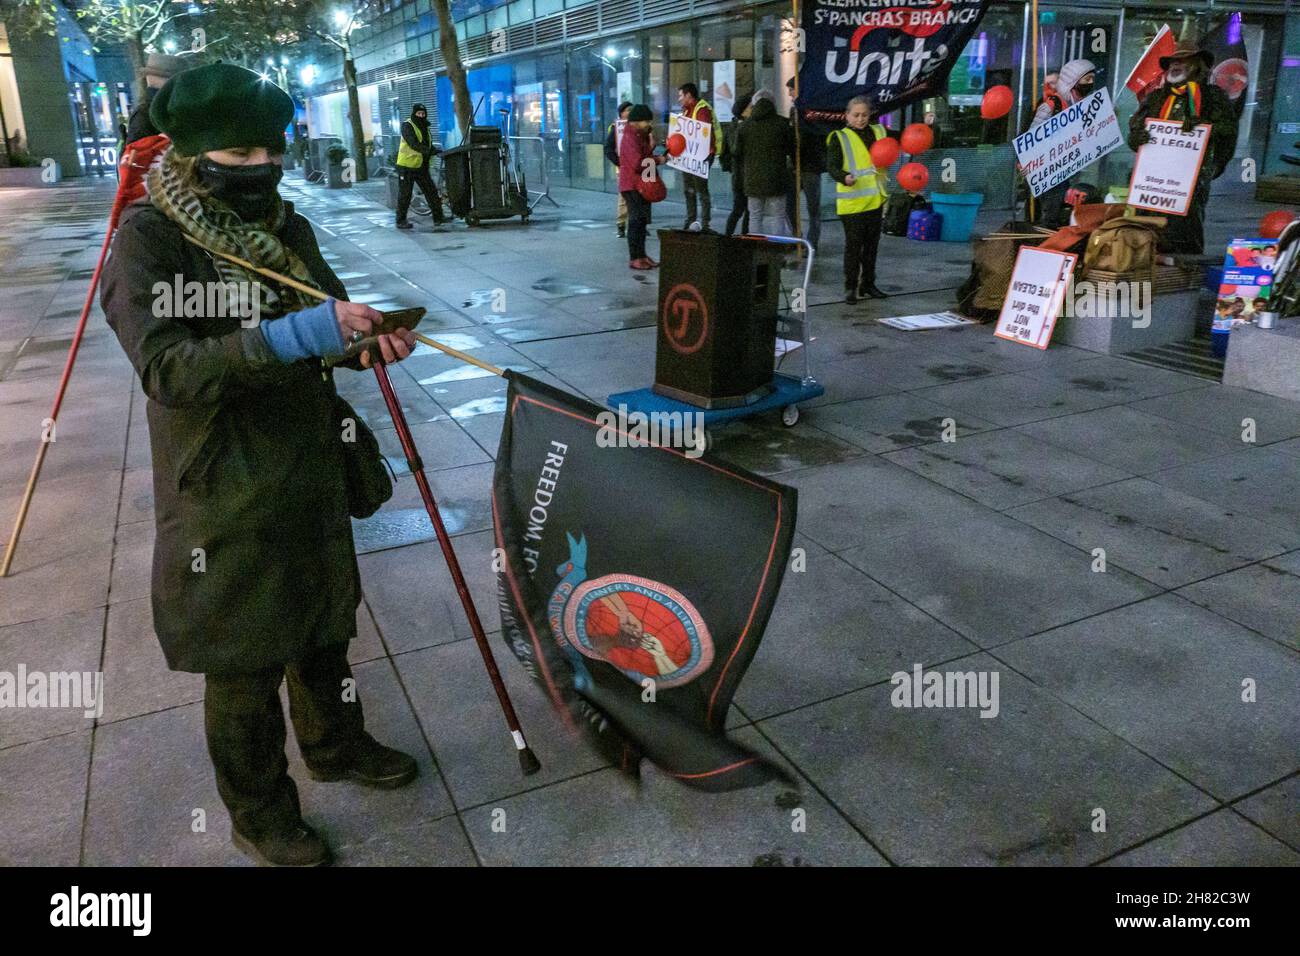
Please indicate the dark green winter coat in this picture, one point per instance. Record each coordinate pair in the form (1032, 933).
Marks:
(253, 562)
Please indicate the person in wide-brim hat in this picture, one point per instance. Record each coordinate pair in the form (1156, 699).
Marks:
(255, 456)
(1187, 50)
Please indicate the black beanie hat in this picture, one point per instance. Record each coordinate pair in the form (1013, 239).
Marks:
(418, 107)
(221, 106)
(639, 113)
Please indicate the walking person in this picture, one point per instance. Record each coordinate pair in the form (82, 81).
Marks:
(697, 187)
(637, 162)
(414, 153)
(859, 196)
(811, 152)
(255, 576)
(765, 147)
(739, 215)
(611, 153)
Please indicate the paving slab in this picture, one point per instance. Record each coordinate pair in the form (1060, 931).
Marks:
(1172, 678)
(1220, 839)
(920, 782)
(1163, 535)
(1264, 597)
(42, 800)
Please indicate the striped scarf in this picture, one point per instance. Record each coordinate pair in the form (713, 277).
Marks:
(219, 228)
(1190, 96)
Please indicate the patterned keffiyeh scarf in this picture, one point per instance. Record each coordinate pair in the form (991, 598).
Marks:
(218, 227)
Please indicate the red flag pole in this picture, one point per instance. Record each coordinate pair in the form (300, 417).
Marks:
(527, 759)
(125, 185)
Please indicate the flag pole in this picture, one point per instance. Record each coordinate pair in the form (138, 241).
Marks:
(527, 759)
(119, 202)
(1033, 82)
(798, 146)
(322, 296)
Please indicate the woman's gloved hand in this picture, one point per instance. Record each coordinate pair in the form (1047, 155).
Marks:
(327, 329)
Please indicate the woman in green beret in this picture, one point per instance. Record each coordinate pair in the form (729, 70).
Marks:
(255, 456)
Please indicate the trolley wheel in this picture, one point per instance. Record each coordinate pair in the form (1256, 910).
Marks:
(472, 220)
(789, 415)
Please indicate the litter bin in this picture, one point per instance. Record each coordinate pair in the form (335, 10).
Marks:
(959, 211)
(718, 303)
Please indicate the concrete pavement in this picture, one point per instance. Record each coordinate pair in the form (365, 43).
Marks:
(1126, 732)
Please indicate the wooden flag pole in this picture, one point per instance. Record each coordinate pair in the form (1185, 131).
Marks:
(318, 294)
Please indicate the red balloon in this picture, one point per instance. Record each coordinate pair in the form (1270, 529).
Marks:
(884, 152)
(1271, 226)
(676, 144)
(996, 102)
(913, 177)
(917, 138)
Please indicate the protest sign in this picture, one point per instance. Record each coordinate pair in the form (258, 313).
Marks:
(1073, 139)
(1164, 176)
(694, 158)
(1033, 302)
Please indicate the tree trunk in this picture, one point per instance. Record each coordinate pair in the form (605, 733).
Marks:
(455, 69)
(354, 111)
(139, 59)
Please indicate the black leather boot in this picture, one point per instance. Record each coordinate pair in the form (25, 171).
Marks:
(294, 845)
(370, 764)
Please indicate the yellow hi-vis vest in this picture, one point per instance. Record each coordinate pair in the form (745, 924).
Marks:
(713, 127)
(410, 158)
(868, 189)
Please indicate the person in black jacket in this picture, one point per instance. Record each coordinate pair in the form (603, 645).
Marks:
(765, 146)
(158, 69)
(811, 151)
(611, 154)
(739, 215)
(255, 576)
(414, 152)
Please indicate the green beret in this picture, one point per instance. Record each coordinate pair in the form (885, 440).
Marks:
(221, 106)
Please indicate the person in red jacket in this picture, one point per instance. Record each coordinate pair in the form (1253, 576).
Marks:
(636, 162)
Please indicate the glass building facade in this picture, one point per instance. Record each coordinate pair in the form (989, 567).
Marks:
(552, 73)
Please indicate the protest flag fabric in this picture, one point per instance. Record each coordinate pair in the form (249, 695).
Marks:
(891, 53)
(1147, 74)
(1231, 71)
(635, 581)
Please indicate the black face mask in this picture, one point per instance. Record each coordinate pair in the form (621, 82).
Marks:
(248, 190)
(1083, 89)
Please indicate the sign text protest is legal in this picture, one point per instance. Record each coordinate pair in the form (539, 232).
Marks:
(1073, 139)
(694, 159)
(1167, 167)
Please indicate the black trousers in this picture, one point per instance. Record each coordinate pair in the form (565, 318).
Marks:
(246, 734)
(1186, 234)
(861, 241)
(407, 180)
(638, 223)
(739, 215)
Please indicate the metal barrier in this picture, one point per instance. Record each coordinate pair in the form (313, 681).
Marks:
(543, 175)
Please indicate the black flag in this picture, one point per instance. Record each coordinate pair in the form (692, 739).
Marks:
(636, 580)
(892, 51)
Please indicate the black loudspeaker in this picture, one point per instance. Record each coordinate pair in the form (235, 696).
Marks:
(718, 302)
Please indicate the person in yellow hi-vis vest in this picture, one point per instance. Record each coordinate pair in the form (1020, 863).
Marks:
(859, 196)
(413, 154)
(688, 96)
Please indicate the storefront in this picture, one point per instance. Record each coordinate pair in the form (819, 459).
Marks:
(561, 99)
